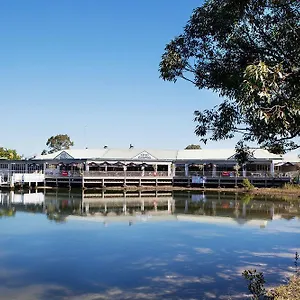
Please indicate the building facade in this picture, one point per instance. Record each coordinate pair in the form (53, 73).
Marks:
(149, 165)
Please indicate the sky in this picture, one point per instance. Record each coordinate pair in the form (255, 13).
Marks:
(89, 69)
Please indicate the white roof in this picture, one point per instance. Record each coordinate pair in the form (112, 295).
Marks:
(115, 154)
(265, 154)
(154, 154)
(205, 154)
(292, 156)
(135, 153)
(221, 154)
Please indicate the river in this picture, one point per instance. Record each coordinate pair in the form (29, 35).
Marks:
(142, 245)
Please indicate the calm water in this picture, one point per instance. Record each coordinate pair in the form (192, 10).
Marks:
(144, 246)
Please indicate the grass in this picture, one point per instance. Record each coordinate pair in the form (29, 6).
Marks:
(290, 291)
(291, 187)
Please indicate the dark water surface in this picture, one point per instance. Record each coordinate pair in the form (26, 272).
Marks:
(177, 246)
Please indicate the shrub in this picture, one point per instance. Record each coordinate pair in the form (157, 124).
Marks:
(256, 283)
(247, 184)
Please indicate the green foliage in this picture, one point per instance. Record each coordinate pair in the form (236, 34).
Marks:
(290, 291)
(291, 187)
(248, 51)
(56, 217)
(9, 212)
(58, 142)
(247, 184)
(242, 153)
(192, 146)
(9, 154)
(256, 283)
(247, 198)
(44, 152)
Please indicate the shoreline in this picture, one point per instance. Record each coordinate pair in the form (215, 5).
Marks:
(272, 192)
(291, 193)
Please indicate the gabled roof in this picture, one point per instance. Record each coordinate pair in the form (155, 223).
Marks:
(115, 154)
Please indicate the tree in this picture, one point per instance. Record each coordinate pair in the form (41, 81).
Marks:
(192, 146)
(44, 152)
(9, 154)
(59, 142)
(248, 51)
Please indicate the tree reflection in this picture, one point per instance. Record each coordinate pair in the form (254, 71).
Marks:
(56, 217)
(7, 212)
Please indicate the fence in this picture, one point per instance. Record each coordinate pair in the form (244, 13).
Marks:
(240, 173)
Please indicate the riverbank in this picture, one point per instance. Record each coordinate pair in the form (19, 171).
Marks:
(293, 191)
(271, 192)
(290, 291)
(289, 191)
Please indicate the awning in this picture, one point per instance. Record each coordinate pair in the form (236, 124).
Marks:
(118, 163)
(132, 164)
(105, 163)
(93, 164)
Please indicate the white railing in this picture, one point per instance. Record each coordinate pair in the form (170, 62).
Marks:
(240, 173)
(125, 174)
(29, 177)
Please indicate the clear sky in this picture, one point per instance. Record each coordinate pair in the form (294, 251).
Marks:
(89, 68)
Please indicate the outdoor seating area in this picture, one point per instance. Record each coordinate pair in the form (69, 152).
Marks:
(149, 167)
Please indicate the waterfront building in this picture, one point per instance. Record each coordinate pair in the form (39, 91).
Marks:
(132, 166)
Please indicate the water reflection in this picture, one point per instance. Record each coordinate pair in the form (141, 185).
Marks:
(173, 245)
(109, 206)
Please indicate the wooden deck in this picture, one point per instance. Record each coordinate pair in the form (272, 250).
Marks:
(94, 180)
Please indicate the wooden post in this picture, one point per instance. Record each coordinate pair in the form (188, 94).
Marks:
(189, 182)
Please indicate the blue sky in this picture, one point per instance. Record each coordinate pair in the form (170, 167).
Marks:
(90, 69)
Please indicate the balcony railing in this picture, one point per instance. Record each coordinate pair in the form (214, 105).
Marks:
(240, 173)
(125, 174)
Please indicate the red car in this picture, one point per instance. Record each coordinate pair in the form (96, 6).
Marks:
(64, 173)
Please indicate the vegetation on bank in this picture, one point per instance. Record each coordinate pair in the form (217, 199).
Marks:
(289, 291)
(9, 212)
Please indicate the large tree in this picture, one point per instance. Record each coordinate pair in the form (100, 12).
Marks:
(58, 142)
(9, 154)
(248, 51)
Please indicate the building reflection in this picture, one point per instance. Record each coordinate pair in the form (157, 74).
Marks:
(138, 206)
